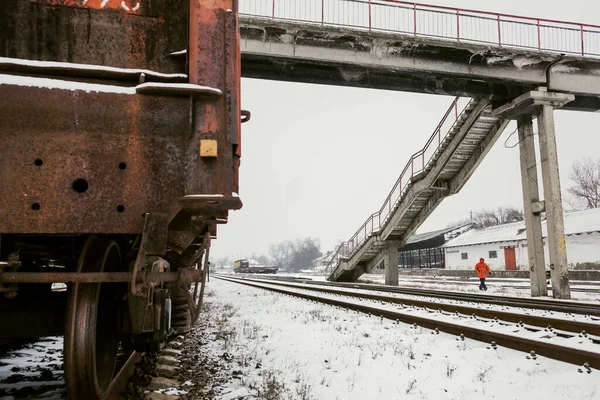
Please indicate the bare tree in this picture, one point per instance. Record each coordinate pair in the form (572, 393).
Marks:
(295, 255)
(487, 218)
(585, 175)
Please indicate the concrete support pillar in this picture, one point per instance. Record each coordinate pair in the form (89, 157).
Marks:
(532, 207)
(542, 103)
(554, 211)
(391, 264)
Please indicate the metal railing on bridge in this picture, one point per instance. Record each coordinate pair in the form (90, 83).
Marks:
(418, 163)
(457, 24)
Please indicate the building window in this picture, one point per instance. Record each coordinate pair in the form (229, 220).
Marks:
(493, 254)
(464, 256)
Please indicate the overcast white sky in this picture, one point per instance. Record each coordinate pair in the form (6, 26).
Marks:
(318, 160)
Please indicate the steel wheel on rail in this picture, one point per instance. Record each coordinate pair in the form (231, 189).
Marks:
(91, 332)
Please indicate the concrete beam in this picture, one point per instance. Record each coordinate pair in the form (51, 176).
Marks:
(304, 52)
(530, 103)
(533, 220)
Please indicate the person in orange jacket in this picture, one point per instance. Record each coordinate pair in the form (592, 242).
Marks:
(482, 270)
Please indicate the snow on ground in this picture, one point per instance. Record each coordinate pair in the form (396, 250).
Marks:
(32, 369)
(434, 301)
(292, 348)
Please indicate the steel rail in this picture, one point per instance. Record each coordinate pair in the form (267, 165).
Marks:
(497, 283)
(541, 304)
(543, 348)
(567, 306)
(541, 322)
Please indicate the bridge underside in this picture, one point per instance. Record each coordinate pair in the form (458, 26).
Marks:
(300, 52)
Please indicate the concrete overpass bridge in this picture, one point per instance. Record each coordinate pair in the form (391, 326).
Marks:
(395, 45)
(500, 66)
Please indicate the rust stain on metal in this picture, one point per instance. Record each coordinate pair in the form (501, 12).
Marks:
(133, 6)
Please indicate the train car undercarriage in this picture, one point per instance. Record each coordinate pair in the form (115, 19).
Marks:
(119, 155)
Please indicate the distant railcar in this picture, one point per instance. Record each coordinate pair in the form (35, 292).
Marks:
(245, 267)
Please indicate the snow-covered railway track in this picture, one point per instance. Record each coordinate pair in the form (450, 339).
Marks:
(34, 369)
(566, 327)
(563, 345)
(567, 306)
(575, 287)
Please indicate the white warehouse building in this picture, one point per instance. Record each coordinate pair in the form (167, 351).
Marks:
(504, 247)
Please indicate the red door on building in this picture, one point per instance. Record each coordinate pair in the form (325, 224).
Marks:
(509, 259)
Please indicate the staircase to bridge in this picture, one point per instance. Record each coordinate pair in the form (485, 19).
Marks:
(460, 141)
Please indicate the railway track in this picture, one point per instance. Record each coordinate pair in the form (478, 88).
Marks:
(566, 306)
(530, 333)
(34, 370)
(502, 283)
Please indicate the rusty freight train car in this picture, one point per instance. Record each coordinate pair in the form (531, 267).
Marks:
(119, 156)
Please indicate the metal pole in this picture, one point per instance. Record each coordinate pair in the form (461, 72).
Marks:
(458, 25)
(369, 15)
(582, 46)
(415, 18)
(499, 33)
(539, 35)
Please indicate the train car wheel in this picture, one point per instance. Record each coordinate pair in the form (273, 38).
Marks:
(91, 334)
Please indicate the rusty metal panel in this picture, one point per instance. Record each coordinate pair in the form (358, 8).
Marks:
(77, 162)
(213, 22)
(85, 32)
(78, 159)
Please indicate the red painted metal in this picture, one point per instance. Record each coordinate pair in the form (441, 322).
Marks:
(582, 42)
(370, 25)
(458, 25)
(495, 14)
(415, 18)
(499, 33)
(539, 33)
(543, 25)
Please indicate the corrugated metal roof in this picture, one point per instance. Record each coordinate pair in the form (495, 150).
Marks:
(430, 235)
(575, 223)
